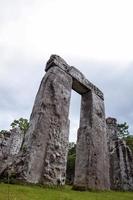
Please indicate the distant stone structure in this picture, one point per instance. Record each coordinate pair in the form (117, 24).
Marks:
(4, 147)
(42, 156)
(10, 146)
(121, 159)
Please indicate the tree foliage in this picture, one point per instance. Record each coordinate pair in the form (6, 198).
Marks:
(129, 141)
(22, 123)
(71, 162)
(123, 133)
(123, 130)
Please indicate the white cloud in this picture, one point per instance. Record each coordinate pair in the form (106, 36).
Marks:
(100, 30)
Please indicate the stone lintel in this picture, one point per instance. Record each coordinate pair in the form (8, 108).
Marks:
(80, 83)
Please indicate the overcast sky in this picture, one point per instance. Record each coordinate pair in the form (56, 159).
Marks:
(94, 36)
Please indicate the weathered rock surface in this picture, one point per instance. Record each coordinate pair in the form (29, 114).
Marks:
(92, 162)
(47, 138)
(15, 141)
(80, 83)
(121, 159)
(10, 146)
(4, 142)
(11, 142)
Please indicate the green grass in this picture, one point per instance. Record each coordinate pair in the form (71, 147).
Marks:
(19, 192)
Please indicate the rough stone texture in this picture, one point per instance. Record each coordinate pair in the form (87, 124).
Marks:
(4, 141)
(15, 141)
(11, 142)
(80, 83)
(47, 138)
(10, 146)
(46, 142)
(121, 159)
(92, 163)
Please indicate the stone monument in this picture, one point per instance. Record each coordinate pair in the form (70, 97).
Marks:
(103, 161)
(121, 159)
(47, 137)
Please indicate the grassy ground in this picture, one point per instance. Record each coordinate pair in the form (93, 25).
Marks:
(18, 192)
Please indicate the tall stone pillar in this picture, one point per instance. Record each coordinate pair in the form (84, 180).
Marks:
(92, 163)
(121, 159)
(47, 139)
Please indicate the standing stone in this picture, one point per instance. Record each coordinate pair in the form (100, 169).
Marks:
(15, 141)
(44, 155)
(10, 146)
(92, 164)
(4, 143)
(47, 138)
(121, 159)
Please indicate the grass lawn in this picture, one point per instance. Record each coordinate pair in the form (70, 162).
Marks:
(19, 192)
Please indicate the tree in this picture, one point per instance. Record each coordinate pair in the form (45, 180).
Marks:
(71, 163)
(123, 133)
(123, 130)
(22, 123)
(72, 148)
(129, 141)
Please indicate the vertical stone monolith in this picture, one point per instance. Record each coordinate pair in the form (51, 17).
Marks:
(121, 159)
(92, 162)
(10, 146)
(47, 139)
